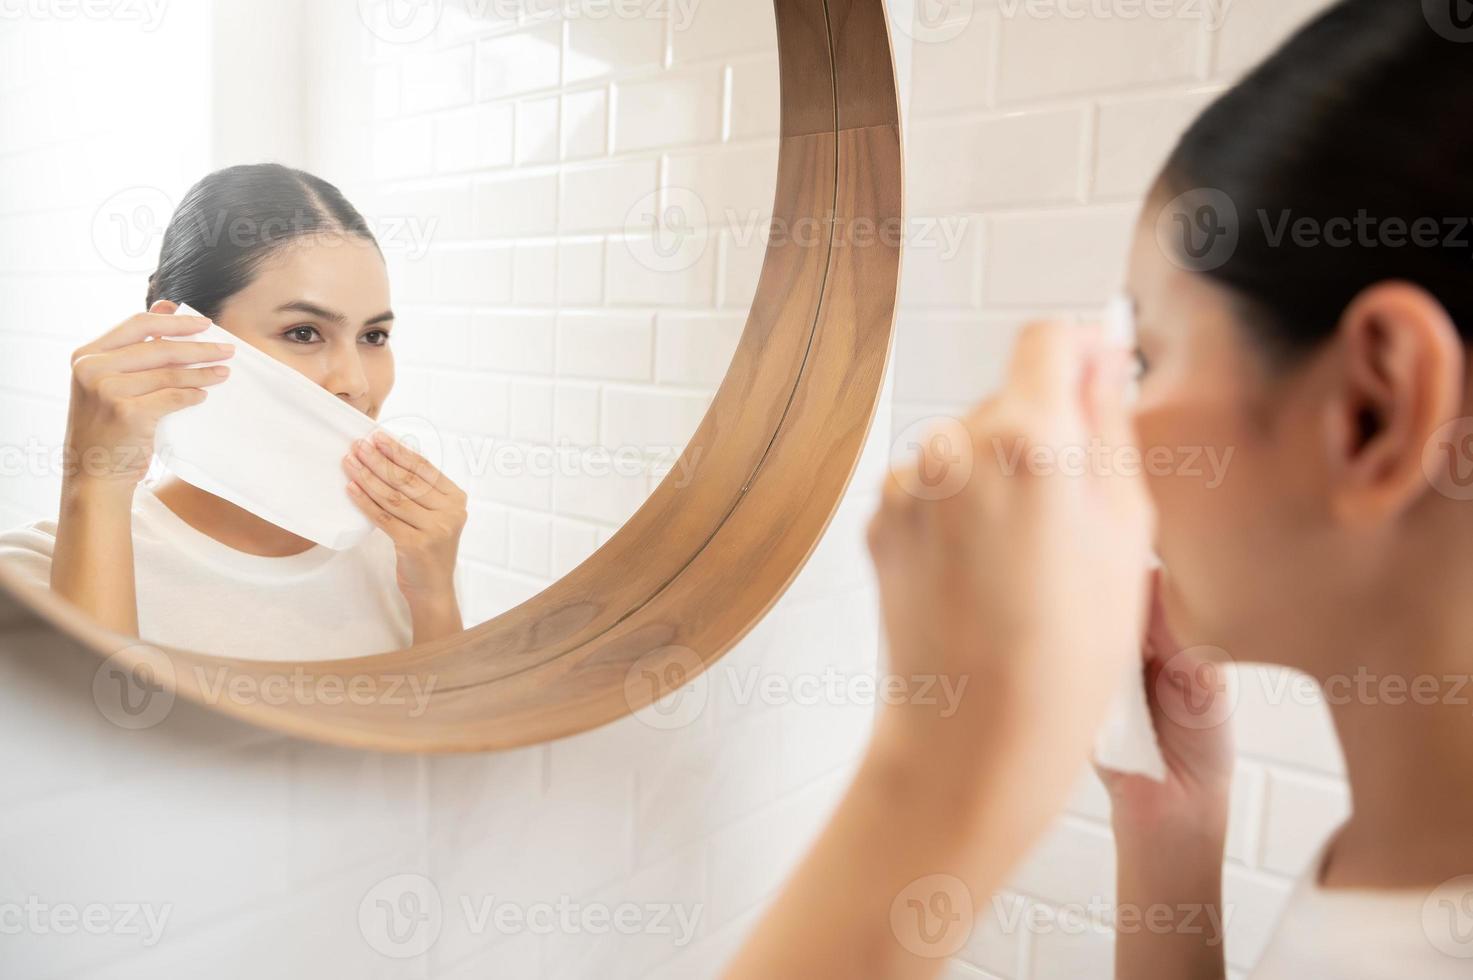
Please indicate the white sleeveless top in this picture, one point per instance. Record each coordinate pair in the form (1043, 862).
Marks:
(200, 595)
(1371, 934)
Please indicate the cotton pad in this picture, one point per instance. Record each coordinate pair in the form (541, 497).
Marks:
(271, 441)
(1128, 742)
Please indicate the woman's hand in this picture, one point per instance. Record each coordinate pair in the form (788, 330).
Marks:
(1024, 590)
(1189, 705)
(1170, 837)
(423, 513)
(122, 385)
(1027, 585)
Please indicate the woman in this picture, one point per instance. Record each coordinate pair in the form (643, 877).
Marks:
(281, 260)
(1330, 357)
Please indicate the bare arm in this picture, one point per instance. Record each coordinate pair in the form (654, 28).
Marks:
(92, 565)
(974, 586)
(122, 384)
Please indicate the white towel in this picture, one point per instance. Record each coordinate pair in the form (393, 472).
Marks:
(1128, 742)
(270, 440)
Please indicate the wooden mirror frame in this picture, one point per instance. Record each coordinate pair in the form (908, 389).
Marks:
(697, 566)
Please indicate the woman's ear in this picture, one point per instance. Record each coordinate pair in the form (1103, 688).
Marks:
(1402, 379)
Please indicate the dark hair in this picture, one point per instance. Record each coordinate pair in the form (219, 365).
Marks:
(1362, 115)
(236, 218)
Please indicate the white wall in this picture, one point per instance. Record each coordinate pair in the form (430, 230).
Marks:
(1033, 137)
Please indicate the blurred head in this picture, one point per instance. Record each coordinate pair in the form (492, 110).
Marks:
(279, 258)
(1303, 281)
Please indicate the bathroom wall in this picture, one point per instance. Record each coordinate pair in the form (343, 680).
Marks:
(1035, 129)
(508, 161)
(195, 845)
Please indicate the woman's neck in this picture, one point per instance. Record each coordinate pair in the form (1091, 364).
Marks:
(1407, 732)
(232, 526)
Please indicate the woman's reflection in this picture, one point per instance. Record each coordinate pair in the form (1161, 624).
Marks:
(280, 259)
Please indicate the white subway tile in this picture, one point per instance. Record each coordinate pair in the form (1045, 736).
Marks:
(674, 109)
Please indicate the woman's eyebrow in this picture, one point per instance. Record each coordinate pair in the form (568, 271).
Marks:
(312, 309)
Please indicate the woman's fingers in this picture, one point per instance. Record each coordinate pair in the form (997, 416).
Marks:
(147, 356)
(135, 383)
(412, 461)
(1048, 367)
(140, 327)
(371, 477)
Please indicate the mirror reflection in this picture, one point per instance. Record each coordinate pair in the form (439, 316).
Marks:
(517, 242)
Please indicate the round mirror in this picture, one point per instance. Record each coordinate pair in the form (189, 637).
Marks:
(639, 266)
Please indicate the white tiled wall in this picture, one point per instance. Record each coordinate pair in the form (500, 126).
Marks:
(1035, 131)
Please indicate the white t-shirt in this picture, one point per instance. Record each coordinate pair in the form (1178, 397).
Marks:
(200, 595)
(1370, 934)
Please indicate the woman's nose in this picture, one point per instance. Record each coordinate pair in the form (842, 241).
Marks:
(346, 377)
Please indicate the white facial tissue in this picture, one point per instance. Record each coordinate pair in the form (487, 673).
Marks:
(1128, 742)
(271, 441)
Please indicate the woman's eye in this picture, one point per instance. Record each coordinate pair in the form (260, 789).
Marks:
(377, 338)
(302, 335)
(1141, 364)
